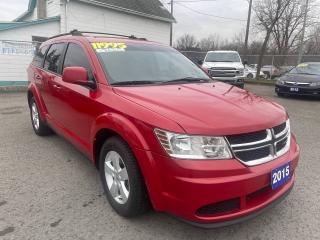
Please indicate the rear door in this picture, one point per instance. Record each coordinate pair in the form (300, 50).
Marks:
(52, 79)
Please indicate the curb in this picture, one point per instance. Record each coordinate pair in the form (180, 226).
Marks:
(8, 89)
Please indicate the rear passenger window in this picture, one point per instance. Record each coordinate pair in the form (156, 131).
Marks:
(39, 56)
(76, 57)
(54, 58)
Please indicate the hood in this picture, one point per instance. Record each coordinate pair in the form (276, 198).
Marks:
(209, 108)
(301, 78)
(237, 65)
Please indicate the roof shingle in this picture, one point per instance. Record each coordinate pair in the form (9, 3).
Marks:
(147, 7)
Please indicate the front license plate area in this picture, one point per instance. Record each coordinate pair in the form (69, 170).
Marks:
(294, 89)
(280, 175)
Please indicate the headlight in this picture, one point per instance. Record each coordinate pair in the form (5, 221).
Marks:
(193, 147)
(315, 84)
(280, 82)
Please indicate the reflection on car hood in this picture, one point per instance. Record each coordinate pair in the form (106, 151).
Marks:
(301, 78)
(208, 108)
(237, 65)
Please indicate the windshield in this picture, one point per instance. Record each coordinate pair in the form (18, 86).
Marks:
(145, 64)
(309, 69)
(222, 57)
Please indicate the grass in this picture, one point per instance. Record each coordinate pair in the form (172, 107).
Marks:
(270, 82)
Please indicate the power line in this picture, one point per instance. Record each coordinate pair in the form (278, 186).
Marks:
(210, 15)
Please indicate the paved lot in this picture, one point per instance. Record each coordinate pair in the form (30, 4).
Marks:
(48, 190)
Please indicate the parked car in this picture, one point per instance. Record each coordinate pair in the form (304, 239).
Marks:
(271, 71)
(251, 73)
(225, 66)
(301, 80)
(285, 69)
(160, 131)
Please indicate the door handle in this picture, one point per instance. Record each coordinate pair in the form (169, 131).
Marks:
(38, 77)
(56, 86)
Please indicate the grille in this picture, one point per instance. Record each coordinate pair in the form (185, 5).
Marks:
(297, 84)
(223, 72)
(220, 207)
(262, 146)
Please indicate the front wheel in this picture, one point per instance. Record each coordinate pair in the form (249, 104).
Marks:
(121, 179)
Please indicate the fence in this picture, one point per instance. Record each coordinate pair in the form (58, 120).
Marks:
(275, 60)
(15, 56)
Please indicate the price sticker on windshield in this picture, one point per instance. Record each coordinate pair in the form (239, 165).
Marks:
(101, 47)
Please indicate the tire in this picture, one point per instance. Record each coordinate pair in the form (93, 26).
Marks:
(125, 191)
(250, 76)
(39, 126)
(280, 94)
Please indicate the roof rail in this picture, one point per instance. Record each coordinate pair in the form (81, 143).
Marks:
(115, 34)
(75, 32)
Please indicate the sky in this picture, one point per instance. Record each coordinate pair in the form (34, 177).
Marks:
(192, 16)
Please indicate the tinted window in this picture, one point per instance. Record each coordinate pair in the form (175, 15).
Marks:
(54, 57)
(39, 56)
(76, 57)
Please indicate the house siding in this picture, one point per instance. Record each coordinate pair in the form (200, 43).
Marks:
(25, 33)
(53, 8)
(87, 17)
(13, 67)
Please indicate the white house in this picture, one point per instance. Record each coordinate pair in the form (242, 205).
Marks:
(45, 18)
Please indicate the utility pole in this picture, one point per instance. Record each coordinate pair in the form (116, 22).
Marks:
(247, 31)
(171, 26)
(303, 31)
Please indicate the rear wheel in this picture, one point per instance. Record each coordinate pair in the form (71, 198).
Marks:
(250, 76)
(39, 126)
(121, 178)
(280, 94)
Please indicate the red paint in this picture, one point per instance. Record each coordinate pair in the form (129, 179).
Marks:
(77, 75)
(178, 187)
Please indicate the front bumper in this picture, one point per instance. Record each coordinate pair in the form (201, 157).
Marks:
(297, 90)
(186, 186)
(235, 81)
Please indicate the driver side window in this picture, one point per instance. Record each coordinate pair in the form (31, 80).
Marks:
(76, 57)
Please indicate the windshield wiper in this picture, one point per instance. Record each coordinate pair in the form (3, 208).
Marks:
(187, 80)
(135, 83)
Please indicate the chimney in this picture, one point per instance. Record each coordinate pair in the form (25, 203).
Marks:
(41, 9)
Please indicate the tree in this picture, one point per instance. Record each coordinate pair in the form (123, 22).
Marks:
(268, 13)
(187, 42)
(287, 31)
(313, 43)
(210, 43)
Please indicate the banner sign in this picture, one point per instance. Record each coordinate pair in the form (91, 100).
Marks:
(17, 48)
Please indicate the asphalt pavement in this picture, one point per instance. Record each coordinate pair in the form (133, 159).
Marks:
(48, 190)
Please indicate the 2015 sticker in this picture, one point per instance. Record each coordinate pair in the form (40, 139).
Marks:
(109, 46)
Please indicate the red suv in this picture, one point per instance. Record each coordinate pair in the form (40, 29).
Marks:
(161, 132)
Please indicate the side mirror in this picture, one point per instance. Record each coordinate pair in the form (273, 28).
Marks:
(77, 75)
(200, 62)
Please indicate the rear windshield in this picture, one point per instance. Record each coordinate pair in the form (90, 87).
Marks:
(144, 62)
(222, 57)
